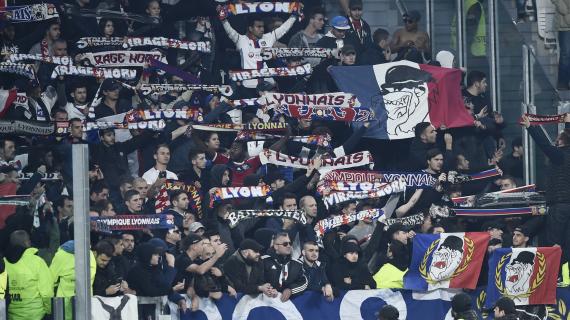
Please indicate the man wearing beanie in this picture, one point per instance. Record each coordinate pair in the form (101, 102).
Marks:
(244, 269)
(461, 307)
(504, 309)
(349, 273)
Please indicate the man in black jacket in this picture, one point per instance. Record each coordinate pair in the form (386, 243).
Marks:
(284, 274)
(244, 270)
(315, 270)
(359, 32)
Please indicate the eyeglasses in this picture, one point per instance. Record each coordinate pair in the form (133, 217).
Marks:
(285, 244)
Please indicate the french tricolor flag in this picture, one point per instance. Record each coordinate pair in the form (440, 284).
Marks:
(403, 94)
(526, 275)
(446, 260)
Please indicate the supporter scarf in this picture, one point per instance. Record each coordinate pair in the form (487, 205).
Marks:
(163, 200)
(236, 216)
(262, 126)
(349, 161)
(413, 179)
(460, 178)
(243, 103)
(272, 53)
(55, 176)
(8, 49)
(29, 13)
(325, 225)
(352, 176)
(462, 201)
(385, 190)
(15, 200)
(21, 99)
(537, 119)
(148, 88)
(475, 212)
(73, 10)
(318, 140)
(239, 193)
(122, 58)
(26, 70)
(62, 128)
(28, 127)
(328, 186)
(132, 222)
(234, 9)
(326, 113)
(66, 60)
(174, 71)
(240, 75)
(130, 42)
(44, 48)
(410, 221)
(337, 99)
(146, 115)
(106, 73)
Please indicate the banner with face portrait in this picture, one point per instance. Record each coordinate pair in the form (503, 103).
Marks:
(446, 260)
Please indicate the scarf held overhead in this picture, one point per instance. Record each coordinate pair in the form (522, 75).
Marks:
(385, 190)
(229, 127)
(163, 198)
(349, 161)
(235, 217)
(157, 88)
(325, 225)
(65, 60)
(240, 75)
(272, 53)
(132, 222)
(337, 99)
(107, 73)
(326, 113)
(122, 58)
(233, 9)
(130, 42)
(26, 70)
(239, 193)
(319, 140)
(30, 13)
(537, 119)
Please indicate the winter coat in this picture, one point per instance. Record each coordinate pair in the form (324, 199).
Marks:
(283, 273)
(147, 280)
(358, 272)
(243, 277)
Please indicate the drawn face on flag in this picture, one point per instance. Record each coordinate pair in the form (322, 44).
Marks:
(446, 259)
(518, 273)
(405, 97)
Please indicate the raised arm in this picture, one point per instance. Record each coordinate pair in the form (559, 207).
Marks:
(552, 152)
(232, 33)
(284, 28)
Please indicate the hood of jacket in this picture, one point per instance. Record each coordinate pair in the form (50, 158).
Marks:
(216, 174)
(144, 253)
(15, 253)
(68, 246)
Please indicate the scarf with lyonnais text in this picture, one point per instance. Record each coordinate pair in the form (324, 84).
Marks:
(240, 75)
(131, 42)
(239, 193)
(146, 115)
(537, 119)
(229, 127)
(318, 140)
(236, 216)
(501, 212)
(132, 222)
(157, 88)
(163, 199)
(27, 127)
(243, 103)
(466, 200)
(337, 99)
(349, 161)
(107, 73)
(272, 53)
(234, 9)
(29, 13)
(15, 200)
(384, 190)
(65, 60)
(26, 70)
(325, 225)
(326, 113)
(122, 58)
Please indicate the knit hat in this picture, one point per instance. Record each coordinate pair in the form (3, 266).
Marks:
(350, 247)
(461, 303)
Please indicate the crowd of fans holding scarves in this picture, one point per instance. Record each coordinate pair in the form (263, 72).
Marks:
(247, 148)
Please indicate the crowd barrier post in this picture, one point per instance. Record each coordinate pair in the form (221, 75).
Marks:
(528, 100)
(493, 45)
(58, 308)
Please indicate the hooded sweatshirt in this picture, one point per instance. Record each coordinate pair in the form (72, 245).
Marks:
(30, 284)
(148, 280)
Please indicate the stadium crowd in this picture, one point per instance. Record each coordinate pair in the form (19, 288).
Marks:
(203, 253)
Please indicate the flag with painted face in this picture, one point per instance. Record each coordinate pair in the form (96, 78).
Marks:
(402, 94)
(526, 275)
(446, 260)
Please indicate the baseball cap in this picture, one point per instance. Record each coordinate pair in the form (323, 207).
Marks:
(413, 15)
(348, 49)
(461, 302)
(388, 312)
(159, 244)
(194, 226)
(193, 238)
(506, 304)
(523, 230)
(110, 85)
(395, 228)
(251, 245)
(340, 23)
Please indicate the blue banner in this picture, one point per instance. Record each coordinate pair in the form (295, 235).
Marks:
(352, 305)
